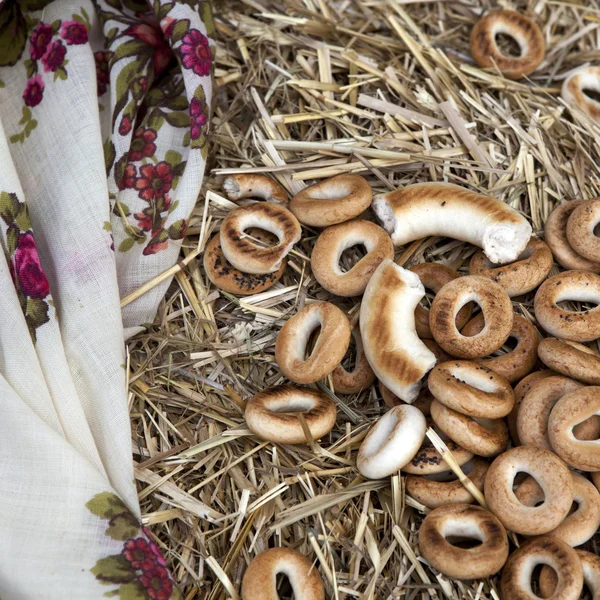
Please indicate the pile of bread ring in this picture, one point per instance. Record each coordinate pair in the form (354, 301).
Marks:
(523, 425)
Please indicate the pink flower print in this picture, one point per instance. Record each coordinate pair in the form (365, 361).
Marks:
(195, 52)
(34, 91)
(54, 57)
(39, 40)
(26, 269)
(198, 118)
(74, 33)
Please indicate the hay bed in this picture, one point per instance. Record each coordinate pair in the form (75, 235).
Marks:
(307, 89)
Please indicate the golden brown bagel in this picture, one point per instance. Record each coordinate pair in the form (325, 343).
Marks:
(572, 92)
(580, 229)
(571, 359)
(253, 185)
(361, 376)
(591, 575)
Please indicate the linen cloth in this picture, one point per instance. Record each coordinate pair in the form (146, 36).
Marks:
(104, 111)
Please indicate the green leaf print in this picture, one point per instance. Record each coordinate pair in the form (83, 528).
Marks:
(114, 569)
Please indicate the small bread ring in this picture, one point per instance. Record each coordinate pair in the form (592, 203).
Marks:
(591, 575)
(433, 493)
(548, 470)
(325, 258)
(580, 229)
(232, 280)
(571, 359)
(332, 201)
(555, 233)
(434, 277)
(253, 185)
(360, 378)
(532, 420)
(487, 439)
(329, 350)
(428, 461)
(471, 389)
(516, 575)
(260, 578)
(271, 414)
(522, 29)
(572, 92)
(569, 411)
(391, 442)
(248, 256)
(518, 362)
(520, 277)
(570, 285)
(463, 520)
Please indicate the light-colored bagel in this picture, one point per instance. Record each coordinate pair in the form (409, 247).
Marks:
(444, 209)
(361, 376)
(463, 520)
(571, 359)
(584, 78)
(591, 575)
(332, 201)
(271, 414)
(325, 258)
(428, 461)
(253, 185)
(329, 350)
(580, 229)
(495, 306)
(248, 256)
(387, 327)
(260, 578)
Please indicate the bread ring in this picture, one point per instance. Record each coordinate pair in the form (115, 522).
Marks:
(580, 229)
(433, 493)
(423, 401)
(246, 255)
(332, 201)
(555, 233)
(232, 280)
(532, 420)
(253, 185)
(516, 575)
(518, 362)
(271, 414)
(522, 29)
(391, 442)
(471, 389)
(259, 582)
(571, 359)
(495, 306)
(591, 575)
(325, 258)
(428, 461)
(572, 92)
(361, 376)
(329, 350)
(565, 324)
(434, 277)
(548, 470)
(484, 437)
(463, 520)
(569, 411)
(520, 277)
(387, 326)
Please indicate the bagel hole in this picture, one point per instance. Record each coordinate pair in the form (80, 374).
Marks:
(427, 299)
(507, 45)
(575, 306)
(509, 346)
(350, 358)
(535, 579)
(597, 230)
(261, 237)
(476, 313)
(520, 478)
(296, 405)
(592, 95)
(312, 341)
(284, 587)
(350, 256)
(466, 543)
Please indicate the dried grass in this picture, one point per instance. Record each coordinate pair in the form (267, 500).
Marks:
(307, 89)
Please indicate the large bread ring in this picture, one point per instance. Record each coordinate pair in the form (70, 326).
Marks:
(571, 359)
(329, 350)
(433, 492)
(569, 411)
(565, 324)
(253, 185)
(518, 362)
(495, 306)
(229, 279)
(391, 442)
(572, 92)
(522, 29)
(361, 376)
(548, 470)
(332, 201)
(428, 461)
(325, 258)
(248, 256)
(260, 578)
(434, 277)
(463, 520)
(488, 439)
(271, 414)
(520, 277)
(516, 575)
(591, 575)
(555, 234)
(471, 389)
(443, 209)
(580, 229)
